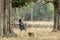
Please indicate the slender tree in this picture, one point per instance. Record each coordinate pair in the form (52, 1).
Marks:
(1, 16)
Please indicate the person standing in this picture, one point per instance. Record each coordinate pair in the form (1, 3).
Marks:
(21, 25)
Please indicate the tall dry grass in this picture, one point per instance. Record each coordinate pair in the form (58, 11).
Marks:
(40, 33)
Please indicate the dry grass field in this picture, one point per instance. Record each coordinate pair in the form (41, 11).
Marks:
(40, 33)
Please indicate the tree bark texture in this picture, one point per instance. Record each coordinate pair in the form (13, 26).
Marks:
(5, 18)
(1, 16)
(56, 14)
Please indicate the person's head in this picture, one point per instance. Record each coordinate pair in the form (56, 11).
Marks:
(20, 20)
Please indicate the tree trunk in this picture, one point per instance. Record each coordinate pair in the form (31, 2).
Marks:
(6, 12)
(32, 14)
(57, 15)
(1, 16)
(7, 21)
(5, 18)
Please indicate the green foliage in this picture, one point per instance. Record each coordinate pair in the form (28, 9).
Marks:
(45, 12)
(18, 3)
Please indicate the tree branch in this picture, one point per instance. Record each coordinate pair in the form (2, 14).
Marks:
(47, 3)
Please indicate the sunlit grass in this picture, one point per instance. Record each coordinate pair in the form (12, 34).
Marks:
(40, 33)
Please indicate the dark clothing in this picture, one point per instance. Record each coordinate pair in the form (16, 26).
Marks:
(21, 26)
